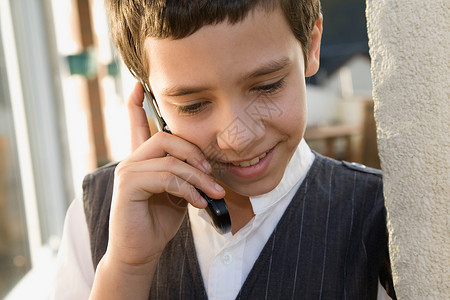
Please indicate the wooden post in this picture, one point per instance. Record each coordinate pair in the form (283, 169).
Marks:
(94, 98)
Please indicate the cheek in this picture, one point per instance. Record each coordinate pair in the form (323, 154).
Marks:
(192, 131)
(178, 126)
(293, 113)
(293, 103)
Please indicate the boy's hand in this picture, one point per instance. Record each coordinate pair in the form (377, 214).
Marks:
(144, 218)
(151, 192)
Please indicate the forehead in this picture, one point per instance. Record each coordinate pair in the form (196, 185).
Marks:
(222, 51)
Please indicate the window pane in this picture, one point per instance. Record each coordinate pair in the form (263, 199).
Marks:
(14, 250)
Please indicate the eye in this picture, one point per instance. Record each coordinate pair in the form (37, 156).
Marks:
(191, 109)
(270, 88)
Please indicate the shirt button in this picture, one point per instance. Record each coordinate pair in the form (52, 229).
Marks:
(227, 258)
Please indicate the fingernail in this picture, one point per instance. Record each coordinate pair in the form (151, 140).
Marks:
(206, 166)
(218, 187)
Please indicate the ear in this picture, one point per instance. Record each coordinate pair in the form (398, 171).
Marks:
(314, 48)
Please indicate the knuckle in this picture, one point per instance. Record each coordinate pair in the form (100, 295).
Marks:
(192, 193)
(121, 169)
(122, 176)
(195, 152)
(168, 177)
(196, 178)
(173, 184)
(170, 161)
(121, 184)
(190, 176)
(159, 136)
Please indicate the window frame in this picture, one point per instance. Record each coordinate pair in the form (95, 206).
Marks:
(32, 79)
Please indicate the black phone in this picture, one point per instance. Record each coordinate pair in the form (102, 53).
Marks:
(217, 210)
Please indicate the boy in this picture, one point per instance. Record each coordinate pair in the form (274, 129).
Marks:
(229, 80)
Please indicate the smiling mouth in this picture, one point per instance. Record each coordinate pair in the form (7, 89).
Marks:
(248, 163)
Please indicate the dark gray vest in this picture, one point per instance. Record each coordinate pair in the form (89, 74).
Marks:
(331, 242)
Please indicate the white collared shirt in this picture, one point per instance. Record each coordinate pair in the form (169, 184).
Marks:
(225, 260)
(221, 257)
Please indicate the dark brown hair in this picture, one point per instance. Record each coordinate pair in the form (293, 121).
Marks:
(132, 21)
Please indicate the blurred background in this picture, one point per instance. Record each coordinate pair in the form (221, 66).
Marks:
(62, 114)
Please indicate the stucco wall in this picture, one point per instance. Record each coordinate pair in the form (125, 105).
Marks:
(410, 48)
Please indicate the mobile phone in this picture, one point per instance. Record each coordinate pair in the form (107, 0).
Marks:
(217, 210)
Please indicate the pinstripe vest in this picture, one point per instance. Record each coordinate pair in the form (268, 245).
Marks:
(331, 242)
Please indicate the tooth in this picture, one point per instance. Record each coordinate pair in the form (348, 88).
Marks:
(245, 164)
(254, 161)
(249, 162)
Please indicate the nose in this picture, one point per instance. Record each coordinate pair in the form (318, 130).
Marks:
(239, 130)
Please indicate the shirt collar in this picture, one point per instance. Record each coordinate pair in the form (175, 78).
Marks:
(295, 172)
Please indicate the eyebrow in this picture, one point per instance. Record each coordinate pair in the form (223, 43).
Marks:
(267, 68)
(176, 91)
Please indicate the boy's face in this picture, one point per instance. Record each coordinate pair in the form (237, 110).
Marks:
(238, 93)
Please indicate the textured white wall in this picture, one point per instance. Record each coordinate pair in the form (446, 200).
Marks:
(410, 48)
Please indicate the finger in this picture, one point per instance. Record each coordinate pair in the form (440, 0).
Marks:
(144, 185)
(188, 173)
(184, 191)
(163, 143)
(139, 127)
